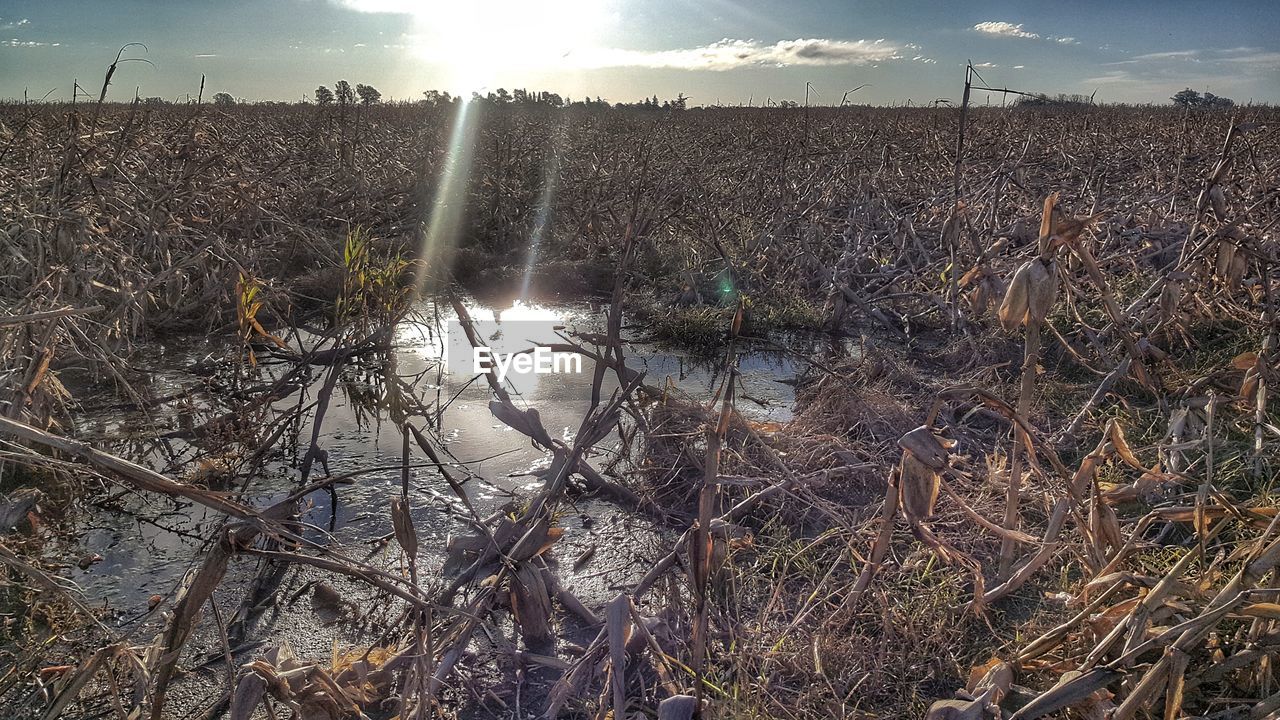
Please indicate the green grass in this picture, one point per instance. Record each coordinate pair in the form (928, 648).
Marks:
(784, 312)
(704, 329)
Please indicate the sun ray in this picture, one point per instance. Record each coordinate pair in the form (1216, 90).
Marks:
(541, 220)
(448, 210)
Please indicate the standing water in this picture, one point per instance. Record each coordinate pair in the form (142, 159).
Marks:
(147, 544)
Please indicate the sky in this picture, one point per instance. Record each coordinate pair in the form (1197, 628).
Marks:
(713, 51)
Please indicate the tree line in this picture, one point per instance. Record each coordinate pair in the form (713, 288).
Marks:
(344, 94)
(521, 97)
(1191, 99)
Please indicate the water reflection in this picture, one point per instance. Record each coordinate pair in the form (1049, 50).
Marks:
(148, 542)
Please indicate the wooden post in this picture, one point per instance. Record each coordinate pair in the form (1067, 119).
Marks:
(964, 114)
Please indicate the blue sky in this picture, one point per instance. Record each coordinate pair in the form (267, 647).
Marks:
(725, 51)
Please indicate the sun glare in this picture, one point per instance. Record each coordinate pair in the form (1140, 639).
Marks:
(481, 41)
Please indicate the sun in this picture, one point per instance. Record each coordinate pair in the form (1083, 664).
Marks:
(479, 42)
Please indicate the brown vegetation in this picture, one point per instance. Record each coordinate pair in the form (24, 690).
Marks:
(1037, 467)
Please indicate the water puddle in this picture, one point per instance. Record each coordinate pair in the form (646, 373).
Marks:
(148, 547)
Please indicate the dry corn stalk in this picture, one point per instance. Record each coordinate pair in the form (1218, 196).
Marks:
(986, 289)
(951, 240)
(918, 485)
(531, 604)
(1028, 301)
(1230, 259)
(928, 447)
(924, 457)
(402, 523)
(987, 686)
(1031, 293)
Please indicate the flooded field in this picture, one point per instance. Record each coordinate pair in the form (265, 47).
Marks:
(146, 545)
(891, 412)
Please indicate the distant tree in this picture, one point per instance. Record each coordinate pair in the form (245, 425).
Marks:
(324, 96)
(587, 102)
(525, 97)
(1215, 102)
(436, 98)
(368, 94)
(680, 102)
(154, 101)
(223, 99)
(1187, 98)
(343, 92)
(1191, 99)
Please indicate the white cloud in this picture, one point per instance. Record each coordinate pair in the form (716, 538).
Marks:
(16, 43)
(1113, 77)
(1155, 80)
(1166, 55)
(559, 33)
(1019, 67)
(11, 24)
(1006, 29)
(1251, 57)
(732, 54)
(207, 55)
(986, 65)
(1247, 59)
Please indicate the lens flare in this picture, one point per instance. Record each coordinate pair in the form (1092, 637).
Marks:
(541, 220)
(448, 210)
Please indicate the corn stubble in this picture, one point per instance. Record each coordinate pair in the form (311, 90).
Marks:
(1064, 510)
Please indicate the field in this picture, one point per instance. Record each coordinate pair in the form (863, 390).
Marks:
(1028, 469)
